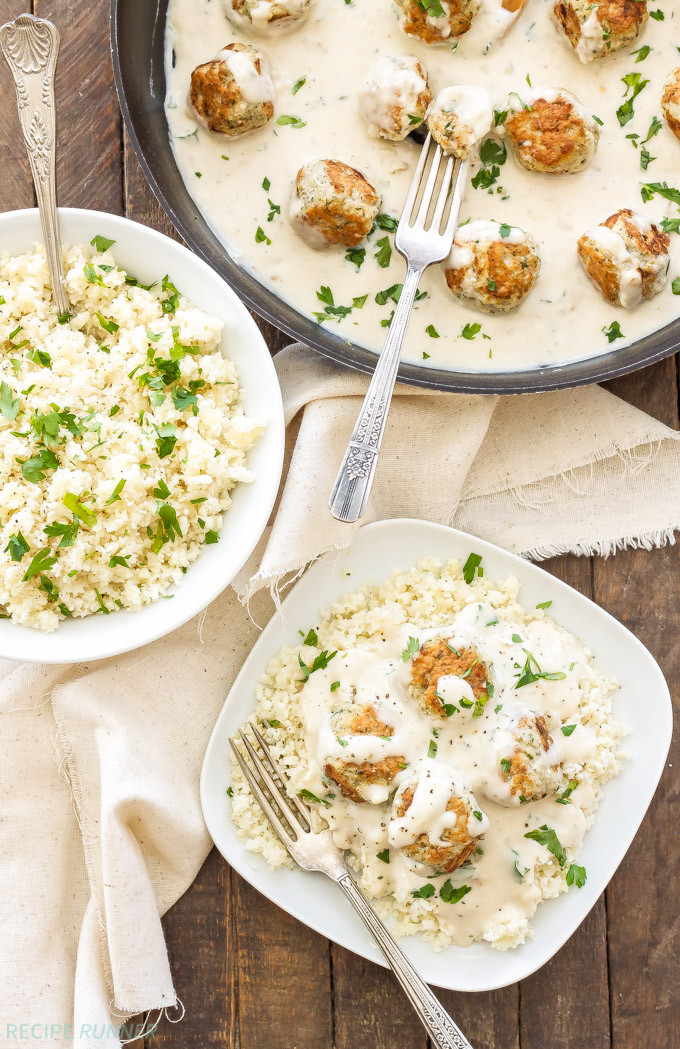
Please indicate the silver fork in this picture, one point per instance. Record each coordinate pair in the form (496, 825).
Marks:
(421, 242)
(316, 851)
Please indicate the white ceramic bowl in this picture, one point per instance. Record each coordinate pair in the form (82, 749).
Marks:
(643, 703)
(149, 255)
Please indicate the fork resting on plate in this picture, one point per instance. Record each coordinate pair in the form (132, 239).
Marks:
(316, 851)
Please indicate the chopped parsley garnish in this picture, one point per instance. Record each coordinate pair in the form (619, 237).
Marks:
(567, 729)
(91, 275)
(72, 503)
(517, 639)
(17, 547)
(49, 588)
(320, 663)
(390, 294)
(9, 405)
(42, 562)
(384, 855)
(450, 895)
(261, 237)
(657, 15)
(115, 494)
(119, 559)
(432, 749)
(411, 649)
(295, 122)
(383, 255)
(387, 222)
(470, 330)
(634, 84)
(335, 686)
(567, 792)
(576, 876)
(166, 439)
(670, 225)
(100, 243)
(531, 672)
(654, 129)
(472, 567)
(505, 230)
(266, 184)
(330, 311)
(613, 332)
(67, 532)
(34, 468)
(274, 209)
(492, 155)
(211, 538)
(477, 814)
(547, 837)
(312, 798)
(310, 638)
(424, 892)
(675, 286)
(642, 53)
(506, 764)
(499, 117)
(520, 871)
(432, 331)
(110, 326)
(649, 189)
(171, 302)
(298, 84)
(40, 357)
(356, 255)
(544, 604)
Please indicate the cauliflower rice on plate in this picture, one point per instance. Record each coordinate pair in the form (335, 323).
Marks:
(455, 742)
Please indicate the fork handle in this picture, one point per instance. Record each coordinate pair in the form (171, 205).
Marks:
(442, 1030)
(353, 484)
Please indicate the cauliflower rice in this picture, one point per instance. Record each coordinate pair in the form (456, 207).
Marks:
(422, 599)
(122, 436)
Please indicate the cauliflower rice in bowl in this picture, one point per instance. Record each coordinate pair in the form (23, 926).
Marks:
(122, 437)
(455, 742)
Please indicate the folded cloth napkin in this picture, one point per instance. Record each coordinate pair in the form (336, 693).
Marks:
(100, 822)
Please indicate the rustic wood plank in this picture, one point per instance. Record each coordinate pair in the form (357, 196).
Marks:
(200, 937)
(284, 977)
(640, 588)
(89, 133)
(370, 1009)
(17, 187)
(489, 1020)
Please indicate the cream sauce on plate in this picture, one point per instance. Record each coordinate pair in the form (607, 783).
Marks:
(318, 69)
(463, 750)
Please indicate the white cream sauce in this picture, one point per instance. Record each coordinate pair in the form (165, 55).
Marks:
(564, 316)
(461, 754)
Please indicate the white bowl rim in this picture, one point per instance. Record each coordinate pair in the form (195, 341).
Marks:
(253, 867)
(23, 643)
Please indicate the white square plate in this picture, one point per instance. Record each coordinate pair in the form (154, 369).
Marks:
(643, 703)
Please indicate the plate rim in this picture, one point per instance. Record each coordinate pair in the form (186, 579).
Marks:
(240, 864)
(276, 311)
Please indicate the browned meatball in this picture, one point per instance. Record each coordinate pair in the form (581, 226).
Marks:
(438, 21)
(436, 659)
(233, 93)
(492, 267)
(457, 845)
(670, 102)
(550, 131)
(525, 771)
(596, 30)
(353, 778)
(626, 257)
(332, 203)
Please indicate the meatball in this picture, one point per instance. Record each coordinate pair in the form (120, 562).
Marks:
(596, 30)
(434, 795)
(395, 97)
(670, 102)
(332, 203)
(358, 780)
(438, 660)
(626, 257)
(550, 131)
(459, 117)
(492, 266)
(526, 757)
(233, 94)
(267, 16)
(436, 21)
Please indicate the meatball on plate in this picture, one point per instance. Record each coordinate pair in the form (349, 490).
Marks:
(359, 742)
(526, 759)
(598, 29)
(436, 21)
(436, 820)
(332, 204)
(394, 97)
(267, 17)
(459, 117)
(492, 266)
(445, 679)
(626, 258)
(550, 131)
(233, 94)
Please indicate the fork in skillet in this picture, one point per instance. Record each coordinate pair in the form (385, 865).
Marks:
(316, 851)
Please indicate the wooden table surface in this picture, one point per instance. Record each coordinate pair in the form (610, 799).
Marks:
(249, 975)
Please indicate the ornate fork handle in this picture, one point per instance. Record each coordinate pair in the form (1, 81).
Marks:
(31, 46)
(440, 1027)
(355, 477)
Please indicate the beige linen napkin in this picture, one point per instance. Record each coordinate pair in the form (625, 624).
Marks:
(100, 822)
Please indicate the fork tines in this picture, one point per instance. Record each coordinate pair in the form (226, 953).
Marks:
(269, 788)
